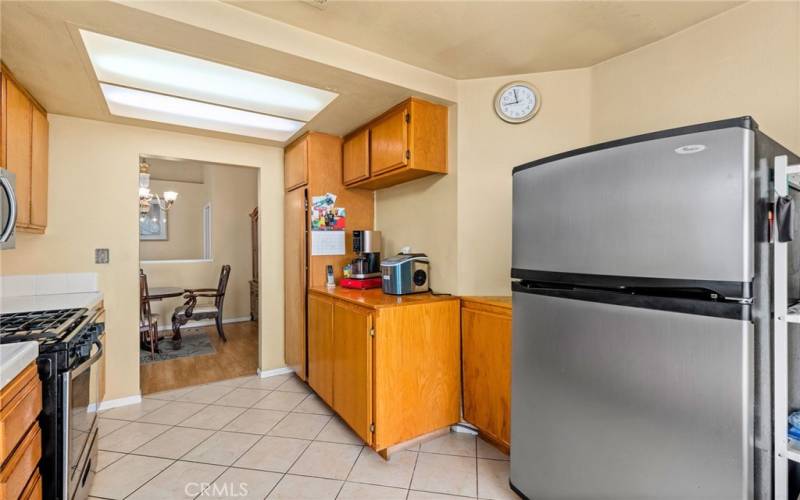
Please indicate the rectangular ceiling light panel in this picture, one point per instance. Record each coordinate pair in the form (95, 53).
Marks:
(132, 103)
(133, 65)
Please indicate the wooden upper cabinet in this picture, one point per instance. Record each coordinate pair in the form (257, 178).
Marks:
(352, 375)
(24, 151)
(3, 119)
(406, 142)
(39, 159)
(295, 164)
(389, 142)
(18, 144)
(355, 157)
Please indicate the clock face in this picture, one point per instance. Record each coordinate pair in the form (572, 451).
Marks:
(517, 102)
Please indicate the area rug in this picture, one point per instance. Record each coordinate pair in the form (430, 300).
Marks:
(195, 342)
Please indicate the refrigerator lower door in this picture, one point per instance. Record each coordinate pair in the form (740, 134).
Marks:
(617, 402)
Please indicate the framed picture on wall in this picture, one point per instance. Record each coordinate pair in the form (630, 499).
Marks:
(153, 224)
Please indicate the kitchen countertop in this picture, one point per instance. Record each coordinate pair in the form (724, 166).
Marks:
(376, 299)
(14, 358)
(28, 303)
(497, 301)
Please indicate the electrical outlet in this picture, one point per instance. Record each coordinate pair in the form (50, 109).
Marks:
(101, 255)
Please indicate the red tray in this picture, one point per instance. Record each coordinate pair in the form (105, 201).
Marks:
(361, 284)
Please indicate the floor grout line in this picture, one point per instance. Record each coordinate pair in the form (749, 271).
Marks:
(260, 436)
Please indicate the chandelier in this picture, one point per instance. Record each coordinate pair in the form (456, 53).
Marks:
(146, 197)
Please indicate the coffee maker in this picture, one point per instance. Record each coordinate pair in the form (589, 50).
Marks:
(367, 247)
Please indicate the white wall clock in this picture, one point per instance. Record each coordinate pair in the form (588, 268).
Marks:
(517, 102)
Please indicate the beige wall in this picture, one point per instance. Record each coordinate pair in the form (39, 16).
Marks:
(422, 214)
(489, 148)
(96, 163)
(233, 195)
(744, 61)
(184, 223)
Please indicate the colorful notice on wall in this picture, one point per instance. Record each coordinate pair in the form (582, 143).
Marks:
(325, 216)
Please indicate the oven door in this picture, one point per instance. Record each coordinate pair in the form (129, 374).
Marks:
(8, 209)
(80, 419)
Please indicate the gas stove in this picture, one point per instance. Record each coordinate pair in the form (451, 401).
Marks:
(70, 346)
(50, 328)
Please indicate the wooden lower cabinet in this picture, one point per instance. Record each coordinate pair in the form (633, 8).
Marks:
(320, 346)
(486, 365)
(352, 374)
(394, 361)
(20, 436)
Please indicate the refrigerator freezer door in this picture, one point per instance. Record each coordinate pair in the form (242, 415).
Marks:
(641, 210)
(618, 402)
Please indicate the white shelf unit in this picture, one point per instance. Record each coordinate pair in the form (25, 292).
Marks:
(785, 175)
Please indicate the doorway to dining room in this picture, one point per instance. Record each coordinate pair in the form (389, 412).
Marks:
(198, 272)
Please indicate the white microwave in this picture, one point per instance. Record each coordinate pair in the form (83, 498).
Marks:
(8, 209)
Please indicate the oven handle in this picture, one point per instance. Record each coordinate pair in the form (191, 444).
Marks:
(89, 362)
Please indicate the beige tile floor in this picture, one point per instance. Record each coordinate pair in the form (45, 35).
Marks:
(273, 438)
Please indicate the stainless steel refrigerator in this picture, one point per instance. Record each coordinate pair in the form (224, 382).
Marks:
(641, 347)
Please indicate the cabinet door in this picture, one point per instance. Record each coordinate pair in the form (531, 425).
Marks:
(320, 346)
(3, 119)
(389, 142)
(39, 142)
(295, 165)
(294, 258)
(352, 370)
(355, 160)
(486, 358)
(18, 147)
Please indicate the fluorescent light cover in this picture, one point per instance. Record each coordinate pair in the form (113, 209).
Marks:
(144, 105)
(143, 67)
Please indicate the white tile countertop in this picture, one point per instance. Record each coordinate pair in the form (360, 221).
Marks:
(14, 358)
(45, 292)
(28, 303)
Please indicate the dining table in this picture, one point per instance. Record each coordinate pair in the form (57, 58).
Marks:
(158, 293)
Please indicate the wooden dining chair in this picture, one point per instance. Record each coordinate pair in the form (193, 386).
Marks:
(148, 322)
(192, 311)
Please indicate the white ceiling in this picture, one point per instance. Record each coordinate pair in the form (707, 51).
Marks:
(475, 39)
(42, 47)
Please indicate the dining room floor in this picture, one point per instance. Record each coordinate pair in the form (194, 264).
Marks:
(254, 437)
(234, 358)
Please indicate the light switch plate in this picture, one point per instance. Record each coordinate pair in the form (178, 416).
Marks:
(101, 255)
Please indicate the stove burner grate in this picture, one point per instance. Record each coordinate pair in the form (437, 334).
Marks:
(36, 325)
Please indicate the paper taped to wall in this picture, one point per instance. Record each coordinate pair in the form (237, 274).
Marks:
(327, 243)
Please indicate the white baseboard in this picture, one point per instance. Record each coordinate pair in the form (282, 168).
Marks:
(274, 372)
(205, 322)
(116, 403)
